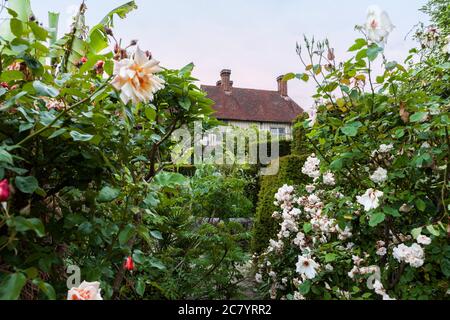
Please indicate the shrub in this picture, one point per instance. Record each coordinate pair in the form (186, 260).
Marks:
(372, 219)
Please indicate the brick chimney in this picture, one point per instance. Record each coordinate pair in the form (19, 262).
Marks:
(282, 86)
(225, 82)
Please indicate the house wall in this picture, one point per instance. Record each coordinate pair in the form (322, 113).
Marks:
(263, 126)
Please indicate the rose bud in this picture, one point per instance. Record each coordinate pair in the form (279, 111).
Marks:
(100, 64)
(4, 85)
(4, 190)
(129, 265)
(108, 31)
(83, 60)
(331, 55)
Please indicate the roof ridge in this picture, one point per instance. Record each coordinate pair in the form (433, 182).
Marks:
(241, 88)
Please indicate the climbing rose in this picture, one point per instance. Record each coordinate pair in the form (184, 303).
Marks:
(307, 267)
(378, 25)
(86, 291)
(136, 78)
(4, 190)
(129, 264)
(370, 200)
(423, 240)
(379, 176)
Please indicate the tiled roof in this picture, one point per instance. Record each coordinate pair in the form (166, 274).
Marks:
(252, 105)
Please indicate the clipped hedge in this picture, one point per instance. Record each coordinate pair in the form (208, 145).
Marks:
(265, 227)
(299, 145)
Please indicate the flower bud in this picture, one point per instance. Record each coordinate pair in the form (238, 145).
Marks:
(109, 31)
(331, 55)
(4, 190)
(133, 42)
(129, 265)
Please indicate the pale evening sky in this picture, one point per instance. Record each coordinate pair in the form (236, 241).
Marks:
(254, 38)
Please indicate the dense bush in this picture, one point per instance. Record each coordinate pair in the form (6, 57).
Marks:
(300, 144)
(84, 144)
(264, 225)
(372, 221)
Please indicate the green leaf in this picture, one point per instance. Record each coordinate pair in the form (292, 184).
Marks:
(359, 43)
(108, 194)
(421, 205)
(376, 219)
(156, 263)
(45, 90)
(391, 211)
(185, 103)
(27, 184)
(11, 75)
(288, 77)
(416, 232)
(126, 234)
(5, 156)
(16, 27)
(156, 234)
(12, 286)
(307, 227)
(121, 11)
(140, 287)
(330, 257)
(57, 133)
(418, 117)
(433, 231)
(168, 179)
(305, 287)
(76, 136)
(186, 70)
(39, 32)
(22, 225)
(373, 51)
(46, 288)
(351, 129)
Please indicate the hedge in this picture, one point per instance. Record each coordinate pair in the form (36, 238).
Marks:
(265, 227)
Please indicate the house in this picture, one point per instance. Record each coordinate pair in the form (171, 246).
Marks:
(268, 110)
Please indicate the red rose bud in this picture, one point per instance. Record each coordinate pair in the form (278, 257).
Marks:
(4, 85)
(100, 64)
(83, 60)
(4, 190)
(129, 265)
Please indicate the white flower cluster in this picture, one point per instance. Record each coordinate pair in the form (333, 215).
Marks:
(328, 179)
(379, 176)
(412, 255)
(311, 167)
(379, 289)
(381, 248)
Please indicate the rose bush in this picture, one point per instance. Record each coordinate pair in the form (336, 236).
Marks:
(84, 142)
(372, 220)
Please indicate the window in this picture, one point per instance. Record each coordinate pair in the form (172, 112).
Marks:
(279, 132)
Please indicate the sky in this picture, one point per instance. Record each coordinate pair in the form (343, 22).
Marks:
(256, 39)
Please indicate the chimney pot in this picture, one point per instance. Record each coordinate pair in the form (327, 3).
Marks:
(225, 82)
(282, 86)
